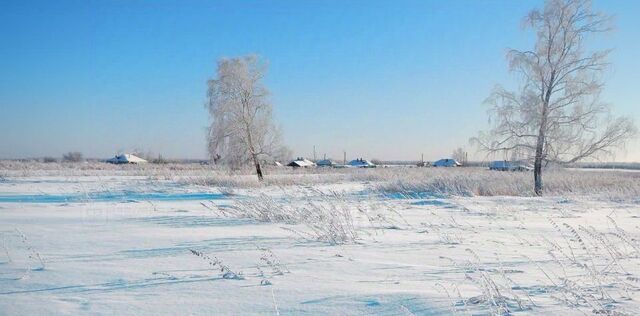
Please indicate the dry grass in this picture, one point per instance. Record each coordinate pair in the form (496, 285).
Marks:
(481, 182)
(440, 181)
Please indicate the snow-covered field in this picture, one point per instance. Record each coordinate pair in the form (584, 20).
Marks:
(119, 242)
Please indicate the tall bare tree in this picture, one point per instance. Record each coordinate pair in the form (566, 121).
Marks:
(242, 130)
(460, 155)
(557, 115)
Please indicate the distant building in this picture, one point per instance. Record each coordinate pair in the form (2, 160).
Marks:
(447, 162)
(126, 159)
(301, 163)
(361, 163)
(326, 163)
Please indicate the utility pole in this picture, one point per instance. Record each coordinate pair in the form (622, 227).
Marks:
(314, 153)
(344, 160)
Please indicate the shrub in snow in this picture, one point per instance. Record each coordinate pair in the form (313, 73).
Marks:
(73, 156)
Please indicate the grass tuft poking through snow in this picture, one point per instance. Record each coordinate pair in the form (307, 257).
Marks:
(33, 254)
(327, 219)
(214, 262)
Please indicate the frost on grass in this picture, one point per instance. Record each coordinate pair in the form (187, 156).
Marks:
(481, 182)
(594, 266)
(326, 217)
(471, 181)
(585, 270)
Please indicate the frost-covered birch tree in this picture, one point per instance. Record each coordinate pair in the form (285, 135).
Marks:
(242, 129)
(556, 115)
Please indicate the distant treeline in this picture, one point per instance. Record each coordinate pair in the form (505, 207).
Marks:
(80, 160)
(609, 165)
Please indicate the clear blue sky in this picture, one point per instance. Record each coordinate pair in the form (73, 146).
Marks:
(379, 79)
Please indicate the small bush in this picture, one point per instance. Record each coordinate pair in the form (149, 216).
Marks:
(72, 156)
(49, 160)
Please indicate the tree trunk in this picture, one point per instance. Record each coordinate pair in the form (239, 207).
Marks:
(256, 162)
(537, 164)
(537, 174)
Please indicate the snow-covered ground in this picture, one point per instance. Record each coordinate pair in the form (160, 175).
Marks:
(132, 245)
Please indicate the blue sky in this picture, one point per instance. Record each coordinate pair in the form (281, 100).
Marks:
(379, 79)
